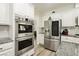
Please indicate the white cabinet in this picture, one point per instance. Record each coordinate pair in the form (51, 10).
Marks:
(7, 49)
(70, 39)
(6, 46)
(9, 52)
(63, 38)
(68, 18)
(4, 13)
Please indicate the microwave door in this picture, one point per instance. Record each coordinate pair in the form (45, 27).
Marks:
(25, 28)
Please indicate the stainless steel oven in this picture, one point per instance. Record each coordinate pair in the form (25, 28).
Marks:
(23, 44)
(24, 40)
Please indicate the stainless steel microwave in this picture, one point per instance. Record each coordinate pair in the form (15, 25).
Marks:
(23, 28)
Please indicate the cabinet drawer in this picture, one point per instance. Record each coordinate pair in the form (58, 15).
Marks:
(6, 46)
(8, 52)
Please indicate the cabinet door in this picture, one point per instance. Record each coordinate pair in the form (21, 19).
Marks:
(64, 38)
(68, 18)
(4, 13)
(9, 52)
(66, 49)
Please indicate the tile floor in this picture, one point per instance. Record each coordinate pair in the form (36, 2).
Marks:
(41, 51)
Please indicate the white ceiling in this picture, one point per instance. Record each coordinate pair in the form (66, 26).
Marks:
(41, 8)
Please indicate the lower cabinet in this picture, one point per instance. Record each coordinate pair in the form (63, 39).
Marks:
(67, 49)
(8, 52)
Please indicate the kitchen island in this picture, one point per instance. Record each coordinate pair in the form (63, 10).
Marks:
(69, 46)
(6, 47)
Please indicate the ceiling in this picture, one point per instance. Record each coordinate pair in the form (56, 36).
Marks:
(41, 8)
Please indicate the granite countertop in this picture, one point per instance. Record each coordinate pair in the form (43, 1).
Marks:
(5, 40)
(71, 36)
(66, 49)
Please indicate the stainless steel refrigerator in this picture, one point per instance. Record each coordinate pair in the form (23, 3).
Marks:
(52, 35)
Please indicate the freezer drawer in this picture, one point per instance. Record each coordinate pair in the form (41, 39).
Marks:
(47, 43)
(54, 45)
(51, 44)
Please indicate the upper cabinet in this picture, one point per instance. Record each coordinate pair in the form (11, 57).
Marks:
(4, 14)
(77, 16)
(24, 9)
(68, 18)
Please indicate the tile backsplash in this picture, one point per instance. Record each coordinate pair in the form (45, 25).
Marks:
(72, 31)
(4, 31)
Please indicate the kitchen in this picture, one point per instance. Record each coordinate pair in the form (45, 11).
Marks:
(25, 29)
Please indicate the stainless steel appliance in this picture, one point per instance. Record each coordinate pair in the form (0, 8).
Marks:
(23, 44)
(23, 27)
(52, 36)
(24, 40)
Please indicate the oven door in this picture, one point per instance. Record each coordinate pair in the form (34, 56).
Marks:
(24, 44)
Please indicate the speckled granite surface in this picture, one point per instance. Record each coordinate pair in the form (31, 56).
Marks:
(71, 36)
(68, 49)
